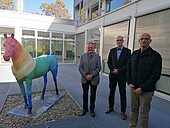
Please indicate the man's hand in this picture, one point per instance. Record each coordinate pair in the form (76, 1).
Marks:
(89, 77)
(131, 87)
(115, 71)
(138, 91)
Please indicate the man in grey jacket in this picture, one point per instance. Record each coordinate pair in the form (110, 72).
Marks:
(89, 68)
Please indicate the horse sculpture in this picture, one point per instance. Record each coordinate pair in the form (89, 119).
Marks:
(25, 68)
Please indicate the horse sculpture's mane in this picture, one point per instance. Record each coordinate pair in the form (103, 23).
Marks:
(23, 63)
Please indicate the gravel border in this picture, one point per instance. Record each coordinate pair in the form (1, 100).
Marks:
(65, 108)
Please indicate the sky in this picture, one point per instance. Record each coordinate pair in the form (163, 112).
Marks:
(32, 6)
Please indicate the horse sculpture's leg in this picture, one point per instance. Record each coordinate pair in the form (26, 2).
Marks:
(45, 84)
(55, 80)
(22, 88)
(29, 94)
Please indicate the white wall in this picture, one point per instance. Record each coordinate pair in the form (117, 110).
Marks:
(33, 21)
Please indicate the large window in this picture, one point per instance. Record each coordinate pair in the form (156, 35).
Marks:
(57, 49)
(158, 25)
(69, 48)
(28, 33)
(94, 37)
(80, 41)
(29, 45)
(69, 51)
(95, 11)
(110, 35)
(43, 47)
(38, 43)
(114, 4)
(43, 43)
(80, 12)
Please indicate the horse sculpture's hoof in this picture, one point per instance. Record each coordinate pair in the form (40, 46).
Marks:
(29, 111)
(42, 97)
(57, 93)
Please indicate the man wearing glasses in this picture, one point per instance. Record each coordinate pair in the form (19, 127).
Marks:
(117, 63)
(144, 70)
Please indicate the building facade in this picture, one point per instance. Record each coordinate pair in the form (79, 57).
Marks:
(99, 21)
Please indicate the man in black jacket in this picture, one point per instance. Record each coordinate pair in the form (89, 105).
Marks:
(117, 63)
(143, 70)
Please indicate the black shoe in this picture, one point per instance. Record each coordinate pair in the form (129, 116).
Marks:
(83, 112)
(92, 113)
(109, 110)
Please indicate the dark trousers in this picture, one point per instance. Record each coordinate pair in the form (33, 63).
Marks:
(113, 80)
(93, 89)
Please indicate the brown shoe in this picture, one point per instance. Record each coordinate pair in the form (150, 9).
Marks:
(109, 110)
(123, 116)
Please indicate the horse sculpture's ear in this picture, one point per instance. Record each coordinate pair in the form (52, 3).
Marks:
(5, 35)
(12, 35)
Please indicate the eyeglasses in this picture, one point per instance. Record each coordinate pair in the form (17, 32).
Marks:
(119, 40)
(144, 38)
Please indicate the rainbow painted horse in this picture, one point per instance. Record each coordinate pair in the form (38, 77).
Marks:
(25, 68)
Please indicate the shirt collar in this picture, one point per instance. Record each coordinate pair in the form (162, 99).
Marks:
(90, 54)
(119, 48)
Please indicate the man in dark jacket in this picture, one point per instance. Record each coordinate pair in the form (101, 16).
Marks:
(143, 71)
(117, 63)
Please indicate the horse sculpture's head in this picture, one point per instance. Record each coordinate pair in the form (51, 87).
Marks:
(9, 45)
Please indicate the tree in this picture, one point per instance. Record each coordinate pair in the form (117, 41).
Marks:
(7, 5)
(57, 9)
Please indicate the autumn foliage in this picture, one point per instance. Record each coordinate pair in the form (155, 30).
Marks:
(7, 5)
(57, 9)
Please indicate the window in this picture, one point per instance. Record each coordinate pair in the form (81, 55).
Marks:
(80, 38)
(43, 47)
(110, 35)
(158, 25)
(28, 33)
(95, 11)
(57, 49)
(29, 45)
(43, 34)
(114, 4)
(57, 35)
(94, 37)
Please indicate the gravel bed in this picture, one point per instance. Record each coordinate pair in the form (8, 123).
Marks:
(63, 109)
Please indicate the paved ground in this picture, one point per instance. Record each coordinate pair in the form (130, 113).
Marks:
(69, 79)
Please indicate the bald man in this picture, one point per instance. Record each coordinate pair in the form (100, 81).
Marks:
(143, 71)
(117, 63)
